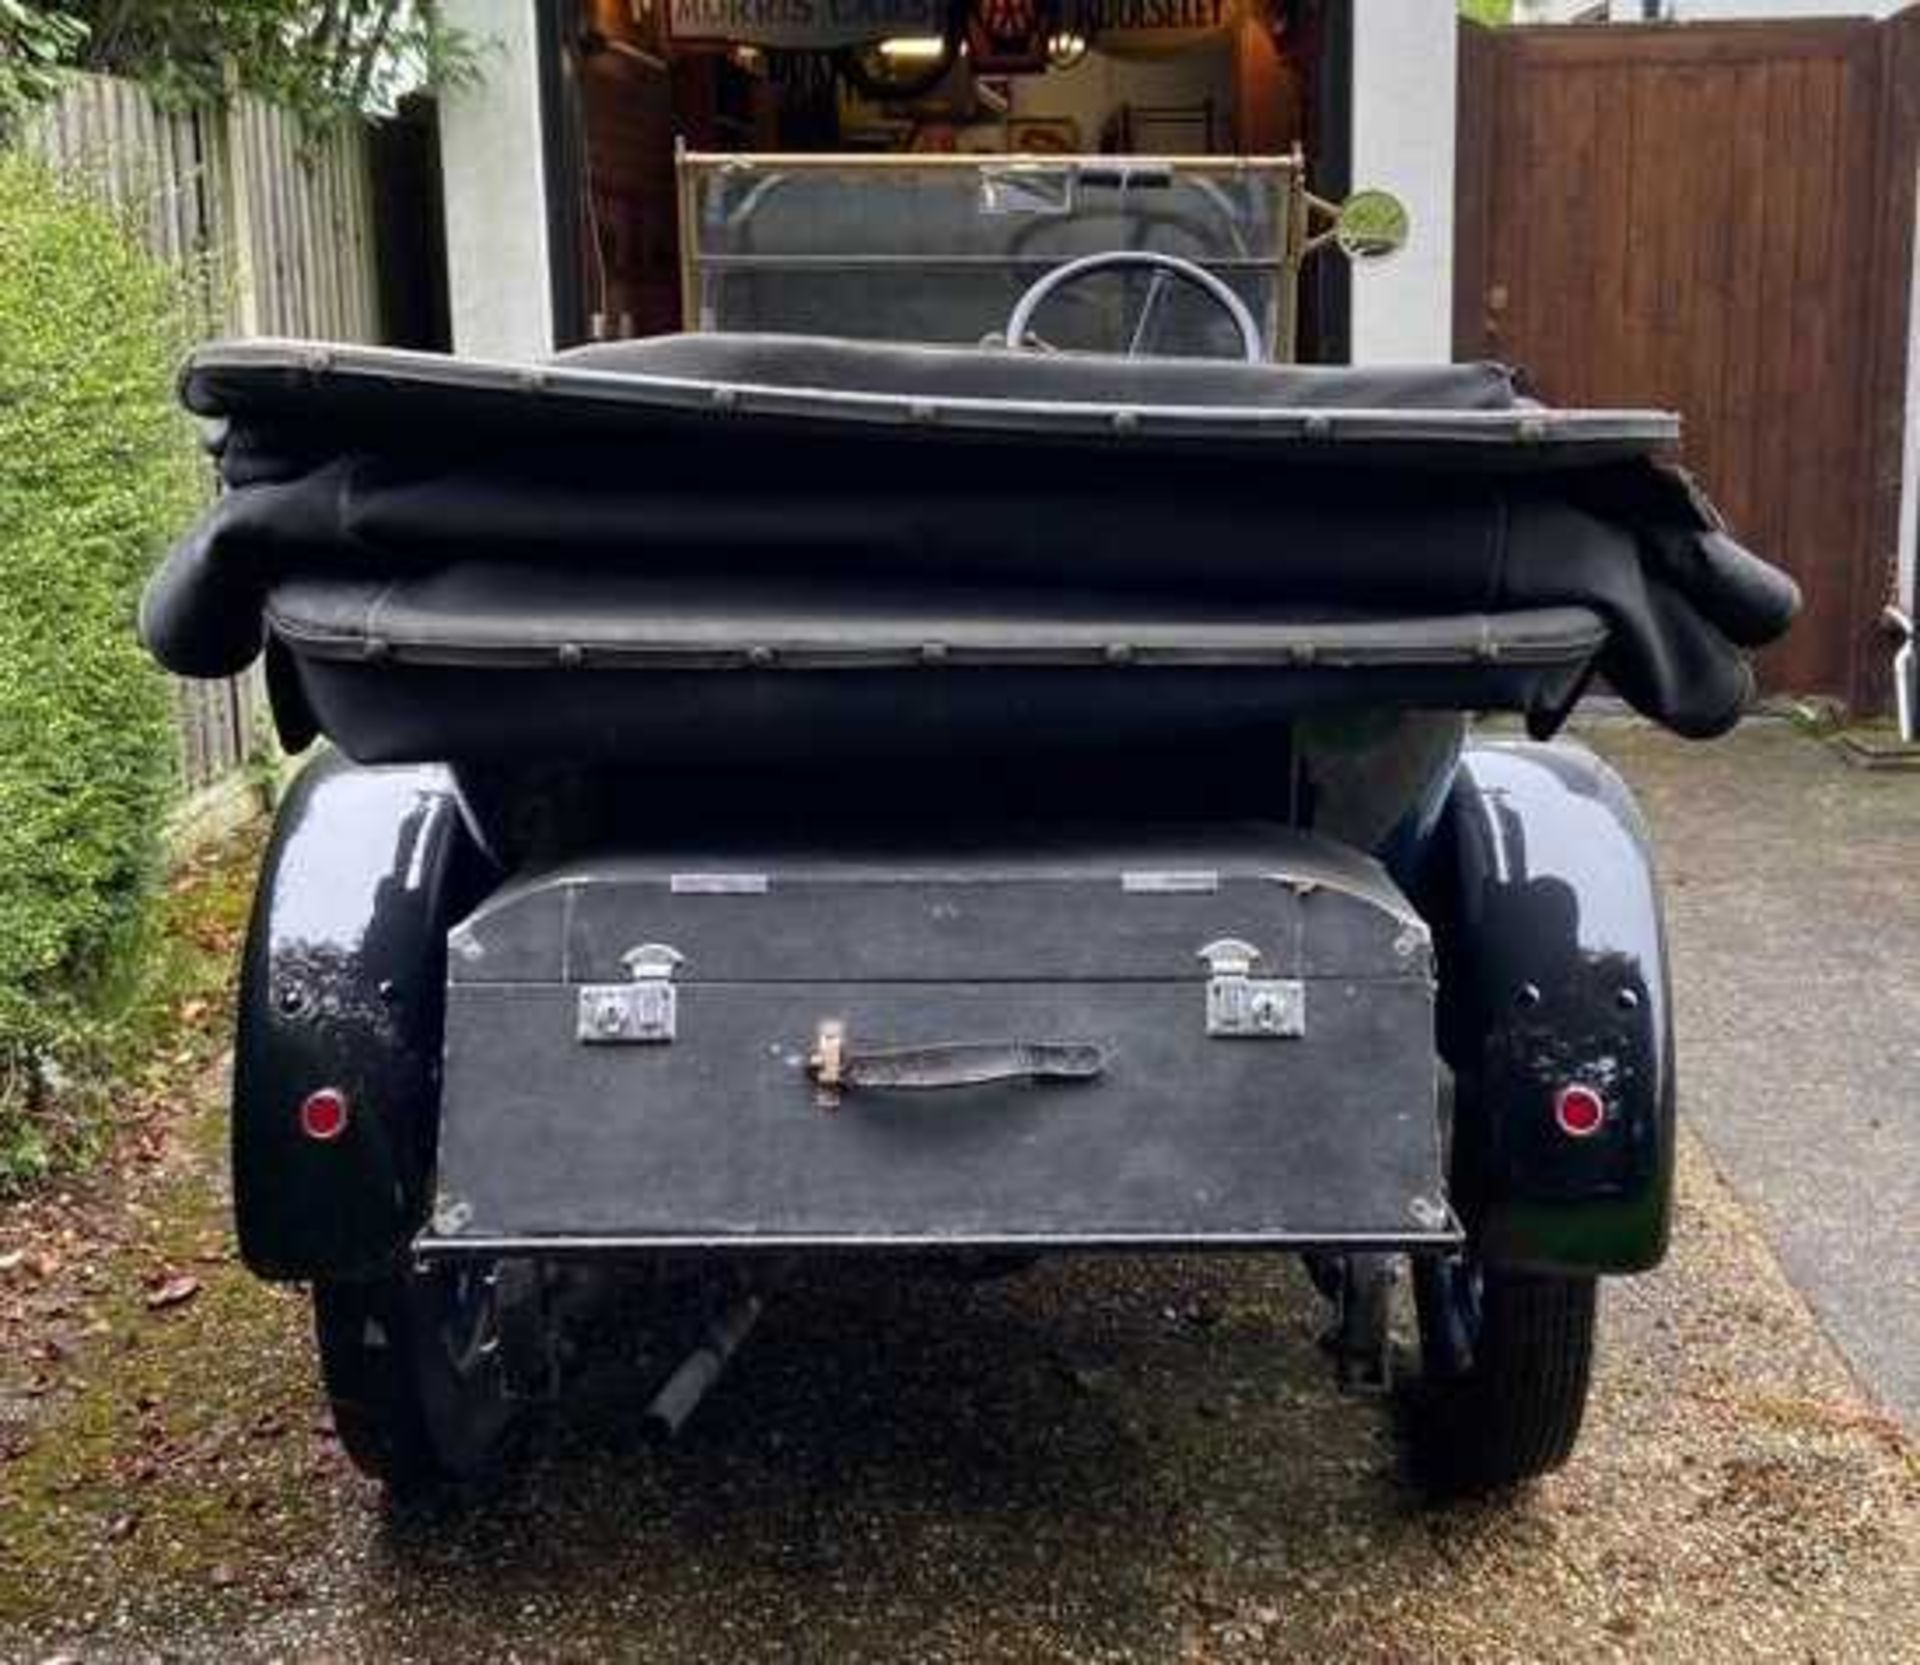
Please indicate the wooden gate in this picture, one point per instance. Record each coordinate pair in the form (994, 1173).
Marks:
(1718, 219)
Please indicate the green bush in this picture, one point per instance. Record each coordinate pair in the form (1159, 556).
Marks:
(97, 471)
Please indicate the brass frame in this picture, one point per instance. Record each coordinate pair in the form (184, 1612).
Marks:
(1299, 237)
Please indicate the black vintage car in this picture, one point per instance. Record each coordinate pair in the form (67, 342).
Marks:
(790, 793)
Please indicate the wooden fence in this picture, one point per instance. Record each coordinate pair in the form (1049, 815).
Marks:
(274, 231)
(1717, 218)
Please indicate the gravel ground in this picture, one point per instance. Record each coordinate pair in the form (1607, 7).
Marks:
(1793, 897)
(1128, 1459)
(1109, 1459)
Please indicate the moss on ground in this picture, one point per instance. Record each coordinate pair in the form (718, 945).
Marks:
(176, 1432)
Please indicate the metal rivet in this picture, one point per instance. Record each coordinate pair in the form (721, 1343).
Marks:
(1628, 1000)
(1527, 996)
(760, 655)
(1125, 421)
(724, 398)
(933, 653)
(1317, 426)
(1119, 653)
(570, 653)
(921, 411)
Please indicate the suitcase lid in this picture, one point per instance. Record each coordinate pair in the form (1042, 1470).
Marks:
(1148, 909)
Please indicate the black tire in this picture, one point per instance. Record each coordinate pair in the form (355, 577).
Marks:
(415, 1384)
(1506, 1361)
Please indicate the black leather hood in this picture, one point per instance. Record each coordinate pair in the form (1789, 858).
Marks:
(972, 481)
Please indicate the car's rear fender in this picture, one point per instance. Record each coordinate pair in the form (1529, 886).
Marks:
(343, 987)
(1553, 971)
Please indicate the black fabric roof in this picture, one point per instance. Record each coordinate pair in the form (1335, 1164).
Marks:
(762, 461)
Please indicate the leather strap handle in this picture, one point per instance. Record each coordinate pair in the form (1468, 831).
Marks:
(837, 1069)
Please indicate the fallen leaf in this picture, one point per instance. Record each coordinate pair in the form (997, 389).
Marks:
(173, 1292)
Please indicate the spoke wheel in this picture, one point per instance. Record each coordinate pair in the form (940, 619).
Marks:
(411, 1364)
(1506, 1360)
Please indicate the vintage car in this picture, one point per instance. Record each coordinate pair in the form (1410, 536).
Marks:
(793, 793)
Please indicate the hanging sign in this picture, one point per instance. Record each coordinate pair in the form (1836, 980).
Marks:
(803, 25)
(1009, 37)
(1149, 28)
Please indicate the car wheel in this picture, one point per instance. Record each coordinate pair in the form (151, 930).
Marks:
(1505, 1362)
(411, 1365)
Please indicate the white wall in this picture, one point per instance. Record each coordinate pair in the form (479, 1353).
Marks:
(1405, 85)
(490, 150)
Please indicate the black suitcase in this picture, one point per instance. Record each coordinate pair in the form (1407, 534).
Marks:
(1220, 1038)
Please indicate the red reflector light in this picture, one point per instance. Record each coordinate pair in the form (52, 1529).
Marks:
(323, 1114)
(1579, 1111)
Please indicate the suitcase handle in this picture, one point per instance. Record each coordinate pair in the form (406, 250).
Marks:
(837, 1069)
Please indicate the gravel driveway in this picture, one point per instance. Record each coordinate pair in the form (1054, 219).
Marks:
(1122, 1459)
(1793, 898)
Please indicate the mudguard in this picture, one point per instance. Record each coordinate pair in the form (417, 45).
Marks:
(343, 986)
(1553, 969)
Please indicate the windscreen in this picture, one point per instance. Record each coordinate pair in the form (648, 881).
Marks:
(939, 250)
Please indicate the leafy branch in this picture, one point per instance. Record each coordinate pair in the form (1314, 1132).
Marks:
(34, 43)
(325, 60)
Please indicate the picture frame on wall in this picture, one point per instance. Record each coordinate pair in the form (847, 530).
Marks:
(1044, 136)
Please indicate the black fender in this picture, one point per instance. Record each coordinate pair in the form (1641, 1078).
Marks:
(343, 986)
(1553, 969)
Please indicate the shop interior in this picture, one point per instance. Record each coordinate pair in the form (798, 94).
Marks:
(1033, 78)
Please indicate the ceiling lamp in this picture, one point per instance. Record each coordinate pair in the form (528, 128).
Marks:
(913, 49)
(1065, 49)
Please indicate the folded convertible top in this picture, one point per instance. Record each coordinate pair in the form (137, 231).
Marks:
(672, 492)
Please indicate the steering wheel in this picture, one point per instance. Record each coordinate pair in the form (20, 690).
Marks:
(1163, 266)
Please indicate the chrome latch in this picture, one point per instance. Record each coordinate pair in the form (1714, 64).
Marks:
(827, 1063)
(1241, 1006)
(640, 1013)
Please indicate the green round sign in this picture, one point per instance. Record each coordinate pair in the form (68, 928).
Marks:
(1371, 225)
